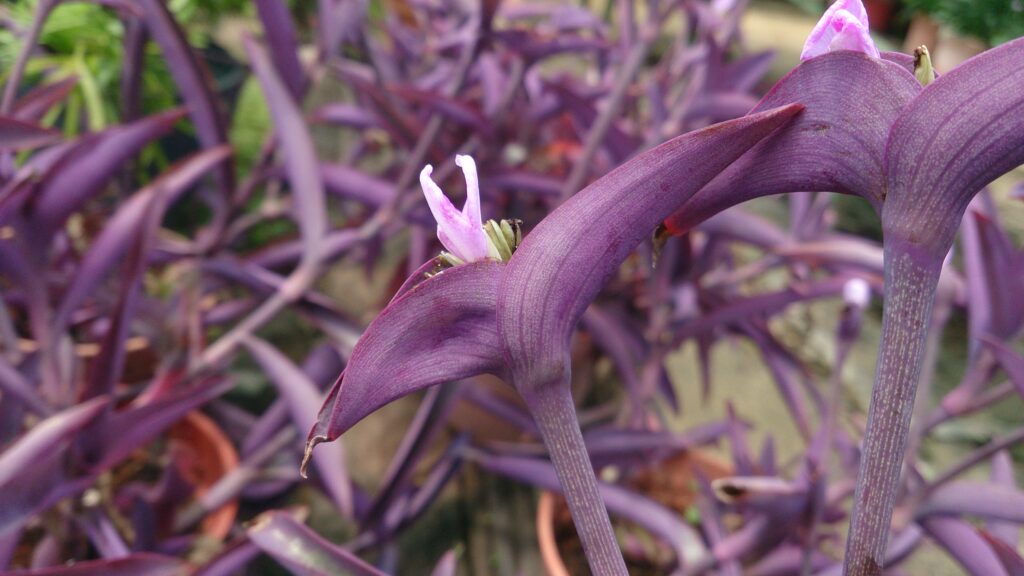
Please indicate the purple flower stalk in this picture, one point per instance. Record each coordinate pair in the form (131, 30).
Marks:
(918, 154)
(843, 27)
(516, 319)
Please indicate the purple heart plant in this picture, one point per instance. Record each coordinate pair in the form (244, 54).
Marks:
(168, 330)
(918, 149)
(876, 125)
(513, 314)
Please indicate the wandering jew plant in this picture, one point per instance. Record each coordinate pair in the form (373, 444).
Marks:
(168, 332)
(516, 319)
(918, 154)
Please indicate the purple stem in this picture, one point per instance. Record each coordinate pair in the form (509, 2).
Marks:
(911, 278)
(552, 407)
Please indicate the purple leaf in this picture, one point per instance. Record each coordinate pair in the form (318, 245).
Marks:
(959, 134)
(1011, 362)
(584, 241)
(354, 184)
(302, 551)
(965, 545)
(349, 115)
(976, 499)
(1007, 553)
(529, 182)
(15, 386)
(128, 429)
(993, 281)
(451, 109)
(303, 398)
(31, 467)
(440, 330)
(107, 367)
(339, 20)
(1002, 475)
(449, 562)
(296, 147)
(194, 82)
(284, 48)
(87, 168)
(137, 564)
(837, 144)
(114, 241)
(18, 134)
(38, 101)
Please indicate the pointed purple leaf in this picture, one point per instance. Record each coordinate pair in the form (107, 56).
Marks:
(137, 564)
(108, 249)
(964, 130)
(194, 82)
(31, 467)
(130, 428)
(442, 329)
(563, 263)
(284, 47)
(448, 563)
(106, 368)
(302, 551)
(1006, 552)
(296, 146)
(836, 145)
(15, 386)
(18, 134)
(1012, 363)
(86, 169)
(993, 284)
(354, 184)
(303, 398)
(350, 115)
(1002, 475)
(976, 499)
(965, 545)
(38, 101)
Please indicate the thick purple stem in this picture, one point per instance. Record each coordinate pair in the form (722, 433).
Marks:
(553, 410)
(911, 278)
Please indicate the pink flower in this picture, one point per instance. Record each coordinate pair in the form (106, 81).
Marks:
(462, 233)
(843, 27)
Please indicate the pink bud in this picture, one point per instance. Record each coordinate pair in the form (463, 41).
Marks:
(843, 27)
(462, 233)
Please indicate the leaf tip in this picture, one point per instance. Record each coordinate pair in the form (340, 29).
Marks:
(308, 454)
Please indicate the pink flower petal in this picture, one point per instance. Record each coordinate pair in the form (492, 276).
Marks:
(461, 233)
(843, 27)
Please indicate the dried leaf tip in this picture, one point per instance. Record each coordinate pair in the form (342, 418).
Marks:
(308, 454)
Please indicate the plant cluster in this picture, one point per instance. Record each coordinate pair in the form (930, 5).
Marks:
(610, 152)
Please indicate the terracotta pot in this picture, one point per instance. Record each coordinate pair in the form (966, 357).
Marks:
(669, 482)
(204, 454)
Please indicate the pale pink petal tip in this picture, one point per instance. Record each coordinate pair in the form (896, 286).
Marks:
(857, 292)
(843, 27)
(461, 232)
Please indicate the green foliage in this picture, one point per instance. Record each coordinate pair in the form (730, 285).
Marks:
(994, 21)
(86, 40)
(250, 124)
